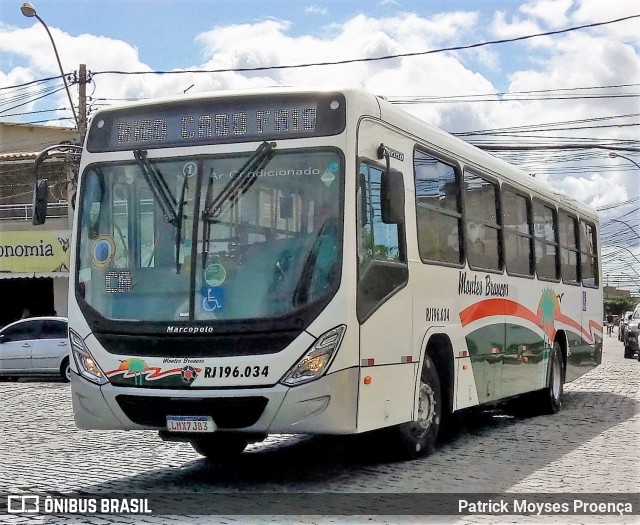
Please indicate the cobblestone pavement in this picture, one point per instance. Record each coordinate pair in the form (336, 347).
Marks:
(591, 446)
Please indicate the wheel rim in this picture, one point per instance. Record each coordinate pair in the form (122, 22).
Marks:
(426, 410)
(67, 372)
(556, 379)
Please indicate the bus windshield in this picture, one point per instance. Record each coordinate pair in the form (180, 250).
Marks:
(267, 227)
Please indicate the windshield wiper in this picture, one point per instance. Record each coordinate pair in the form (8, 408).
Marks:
(242, 181)
(158, 186)
(236, 187)
(180, 220)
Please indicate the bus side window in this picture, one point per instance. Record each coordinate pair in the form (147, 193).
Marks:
(588, 255)
(569, 248)
(482, 220)
(545, 227)
(438, 209)
(517, 234)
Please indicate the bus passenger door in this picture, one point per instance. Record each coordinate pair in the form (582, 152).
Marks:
(387, 374)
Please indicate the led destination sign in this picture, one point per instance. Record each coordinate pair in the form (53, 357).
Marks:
(211, 121)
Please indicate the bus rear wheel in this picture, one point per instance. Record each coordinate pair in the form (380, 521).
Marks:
(220, 447)
(418, 438)
(551, 397)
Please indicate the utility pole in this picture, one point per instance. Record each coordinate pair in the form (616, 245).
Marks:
(72, 160)
(82, 103)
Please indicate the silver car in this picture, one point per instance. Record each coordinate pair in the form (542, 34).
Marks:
(35, 346)
(624, 322)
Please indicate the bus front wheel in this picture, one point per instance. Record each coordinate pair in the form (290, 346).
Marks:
(220, 447)
(418, 438)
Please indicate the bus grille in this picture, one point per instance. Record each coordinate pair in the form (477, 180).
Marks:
(227, 412)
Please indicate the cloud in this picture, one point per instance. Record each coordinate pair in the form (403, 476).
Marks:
(552, 12)
(595, 189)
(585, 58)
(501, 28)
(316, 10)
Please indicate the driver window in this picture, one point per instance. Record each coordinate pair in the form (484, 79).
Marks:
(382, 262)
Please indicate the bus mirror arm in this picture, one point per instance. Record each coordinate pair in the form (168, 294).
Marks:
(40, 186)
(391, 191)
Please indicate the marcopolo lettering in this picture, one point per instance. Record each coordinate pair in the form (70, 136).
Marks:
(172, 329)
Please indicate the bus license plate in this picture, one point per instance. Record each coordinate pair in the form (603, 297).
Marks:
(190, 424)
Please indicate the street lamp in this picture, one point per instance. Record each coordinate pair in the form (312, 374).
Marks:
(29, 11)
(613, 155)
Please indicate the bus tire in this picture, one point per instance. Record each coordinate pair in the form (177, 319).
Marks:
(220, 447)
(418, 438)
(551, 397)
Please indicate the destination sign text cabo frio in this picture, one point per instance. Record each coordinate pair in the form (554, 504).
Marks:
(217, 120)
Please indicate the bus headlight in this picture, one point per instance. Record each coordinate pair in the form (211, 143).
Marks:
(316, 360)
(87, 366)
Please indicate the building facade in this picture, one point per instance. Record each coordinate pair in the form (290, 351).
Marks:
(34, 260)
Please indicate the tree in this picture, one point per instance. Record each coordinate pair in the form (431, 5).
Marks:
(618, 305)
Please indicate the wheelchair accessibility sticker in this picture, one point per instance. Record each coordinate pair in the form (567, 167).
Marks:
(212, 298)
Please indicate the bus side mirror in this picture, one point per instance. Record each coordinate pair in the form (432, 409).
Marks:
(392, 197)
(391, 190)
(40, 199)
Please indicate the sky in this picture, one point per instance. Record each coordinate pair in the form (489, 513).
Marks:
(578, 88)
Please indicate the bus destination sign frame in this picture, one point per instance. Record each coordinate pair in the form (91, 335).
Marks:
(217, 121)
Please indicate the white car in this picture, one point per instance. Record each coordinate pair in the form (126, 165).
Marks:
(35, 346)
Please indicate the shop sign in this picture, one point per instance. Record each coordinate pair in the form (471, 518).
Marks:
(34, 251)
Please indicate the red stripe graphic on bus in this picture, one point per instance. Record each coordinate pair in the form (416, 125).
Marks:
(547, 315)
(136, 368)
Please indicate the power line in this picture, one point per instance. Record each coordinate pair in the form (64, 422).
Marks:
(399, 99)
(31, 83)
(509, 98)
(33, 112)
(33, 99)
(617, 204)
(369, 59)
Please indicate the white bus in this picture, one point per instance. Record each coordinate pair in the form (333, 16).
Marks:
(318, 262)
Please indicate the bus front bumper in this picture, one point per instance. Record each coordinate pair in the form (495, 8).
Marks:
(325, 406)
